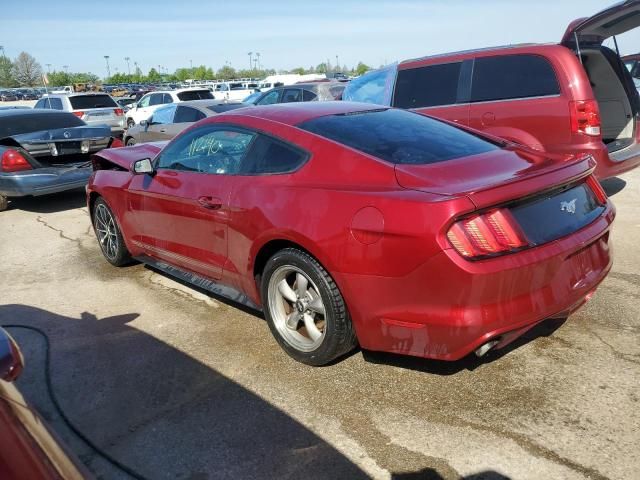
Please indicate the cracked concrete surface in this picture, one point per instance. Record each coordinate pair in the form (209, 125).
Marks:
(178, 384)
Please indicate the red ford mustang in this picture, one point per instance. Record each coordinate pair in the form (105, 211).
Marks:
(354, 224)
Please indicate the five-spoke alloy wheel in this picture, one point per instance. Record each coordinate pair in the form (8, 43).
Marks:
(305, 309)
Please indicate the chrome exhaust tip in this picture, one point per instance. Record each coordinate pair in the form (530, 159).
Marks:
(483, 349)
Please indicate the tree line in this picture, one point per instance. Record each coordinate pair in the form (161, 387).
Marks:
(25, 71)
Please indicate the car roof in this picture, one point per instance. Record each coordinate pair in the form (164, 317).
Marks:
(478, 50)
(299, 112)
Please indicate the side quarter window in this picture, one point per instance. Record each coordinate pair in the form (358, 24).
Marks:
(269, 156)
(217, 150)
(427, 86)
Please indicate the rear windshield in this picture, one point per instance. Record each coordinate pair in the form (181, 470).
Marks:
(195, 95)
(399, 136)
(82, 102)
(34, 122)
(225, 107)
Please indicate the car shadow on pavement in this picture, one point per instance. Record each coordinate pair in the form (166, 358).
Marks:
(55, 202)
(613, 185)
(470, 362)
(158, 409)
(431, 474)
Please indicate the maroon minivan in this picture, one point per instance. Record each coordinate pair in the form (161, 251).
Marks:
(575, 97)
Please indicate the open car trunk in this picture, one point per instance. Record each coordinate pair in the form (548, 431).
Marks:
(611, 82)
(617, 97)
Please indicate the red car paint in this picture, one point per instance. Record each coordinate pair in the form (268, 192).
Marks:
(378, 229)
(544, 121)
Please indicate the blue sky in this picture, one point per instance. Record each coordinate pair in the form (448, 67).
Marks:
(286, 33)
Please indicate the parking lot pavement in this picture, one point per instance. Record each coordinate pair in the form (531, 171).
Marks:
(177, 384)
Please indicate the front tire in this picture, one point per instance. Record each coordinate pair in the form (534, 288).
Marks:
(304, 308)
(130, 142)
(109, 235)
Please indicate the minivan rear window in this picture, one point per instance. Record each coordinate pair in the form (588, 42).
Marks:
(428, 86)
(195, 95)
(512, 76)
(82, 102)
(399, 136)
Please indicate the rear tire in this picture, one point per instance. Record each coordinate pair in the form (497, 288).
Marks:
(4, 203)
(130, 123)
(305, 309)
(130, 142)
(109, 235)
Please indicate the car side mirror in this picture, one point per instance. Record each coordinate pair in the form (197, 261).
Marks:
(11, 360)
(143, 166)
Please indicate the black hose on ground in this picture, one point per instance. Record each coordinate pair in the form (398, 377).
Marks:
(126, 469)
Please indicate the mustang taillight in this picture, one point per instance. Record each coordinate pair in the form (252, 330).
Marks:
(487, 234)
(585, 117)
(13, 161)
(597, 189)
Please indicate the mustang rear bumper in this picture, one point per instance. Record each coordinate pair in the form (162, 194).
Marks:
(43, 181)
(448, 307)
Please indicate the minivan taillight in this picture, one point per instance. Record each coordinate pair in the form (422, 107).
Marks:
(597, 189)
(487, 234)
(118, 111)
(585, 117)
(13, 161)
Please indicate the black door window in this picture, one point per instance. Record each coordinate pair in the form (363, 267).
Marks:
(512, 76)
(268, 155)
(428, 86)
(188, 115)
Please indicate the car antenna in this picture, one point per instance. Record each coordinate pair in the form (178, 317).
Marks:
(45, 82)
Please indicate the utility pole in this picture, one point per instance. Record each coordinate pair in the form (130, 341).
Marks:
(106, 57)
(250, 60)
(126, 59)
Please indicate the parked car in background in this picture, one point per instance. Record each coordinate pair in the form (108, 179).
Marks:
(350, 223)
(301, 92)
(233, 91)
(93, 108)
(154, 100)
(567, 98)
(25, 94)
(45, 151)
(169, 120)
(632, 62)
(63, 89)
(28, 449)
(7, 96)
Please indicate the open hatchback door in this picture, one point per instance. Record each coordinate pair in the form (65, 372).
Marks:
(614, 20)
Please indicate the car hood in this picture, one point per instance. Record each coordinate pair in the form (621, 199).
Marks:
(494, 177)
(614, 20)
(125, 156)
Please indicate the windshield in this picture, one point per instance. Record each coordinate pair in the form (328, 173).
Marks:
(372, 87)
(82, 102)
(19, 123)
(195, 95)
(399, 136)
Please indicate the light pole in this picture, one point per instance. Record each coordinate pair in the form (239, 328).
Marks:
(191, 64)
(106, 57)
(135, 64)
(337, 64)
(2, 50)
(257, 60)
(48, 67)
(250, 59)
(66, 68)
(126, 59)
